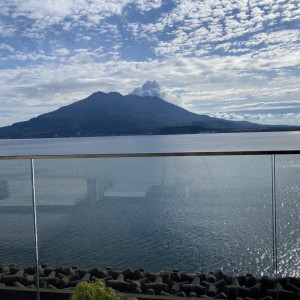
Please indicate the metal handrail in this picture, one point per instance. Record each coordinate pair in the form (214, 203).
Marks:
(151, 154)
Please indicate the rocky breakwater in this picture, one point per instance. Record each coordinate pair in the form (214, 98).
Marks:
(216, 285)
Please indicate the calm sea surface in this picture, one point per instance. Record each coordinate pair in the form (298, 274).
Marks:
(159, 213)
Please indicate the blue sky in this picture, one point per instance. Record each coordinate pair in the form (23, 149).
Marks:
(235, 59)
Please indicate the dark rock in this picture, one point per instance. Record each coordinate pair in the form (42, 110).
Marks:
(20, 273)
(165, 275)
(157, 287)
(158, 279)
(143, 280)
(44, 266)
(43, 284)
(150, 292)
(267, 283)
(10, 279)
(228, 278)
(196, 280)
(74, 283)
(60, 270)
(108, 278)
(50, 280)
(295, 281)
(69, 271)
(52, 287)
(206, 283)
(180, 294)
(4, 269)
(52, 274)
(293, 288)
(47, 271)
(211, 278)
(283, 280)
(218, 274)
(28, 280)
(220, 296)
(176, 276)
(251, 281)
(128, 274)
(175, 288)
(137, 290)
(114, 273)
(219, 284)
(212, 291)
(255, 291)
(74, 277)
(18, 284)
(64, 282)
(169, 282)
(14, 269)
(85, 277)
(120, 277)
(151, 276)
(282, 294)
(119, 285)
(32, 286)
(82, 272)
(193, 295)
(60, 275)
(183, 282)
(187, 277)
(233, 291)
(137, 274)
(242, 280)
(197, 288)
(98, 273)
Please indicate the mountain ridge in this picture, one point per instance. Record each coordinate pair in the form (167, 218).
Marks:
(114, 114)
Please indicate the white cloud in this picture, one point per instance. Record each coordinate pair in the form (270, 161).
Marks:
(51, 12)
(292, 119)
(149, 88)
(6, 30)
(192, 24)
(6, 48)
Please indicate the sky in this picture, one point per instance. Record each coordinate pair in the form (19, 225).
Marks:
(233, 59)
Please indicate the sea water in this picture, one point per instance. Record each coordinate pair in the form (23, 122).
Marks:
(193, 213)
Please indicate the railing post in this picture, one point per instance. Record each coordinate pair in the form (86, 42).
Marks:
(274, 223)
(35, 233)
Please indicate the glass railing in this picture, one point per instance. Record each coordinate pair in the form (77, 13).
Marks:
(175, 215)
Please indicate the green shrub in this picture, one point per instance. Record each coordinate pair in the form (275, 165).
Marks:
(96, 291)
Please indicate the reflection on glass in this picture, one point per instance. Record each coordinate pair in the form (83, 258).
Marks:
(16, 222)
(288, 212)
(191, 213)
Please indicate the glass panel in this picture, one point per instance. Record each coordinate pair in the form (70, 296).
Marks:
(288, 212)
(191, 213)
(16, 220)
